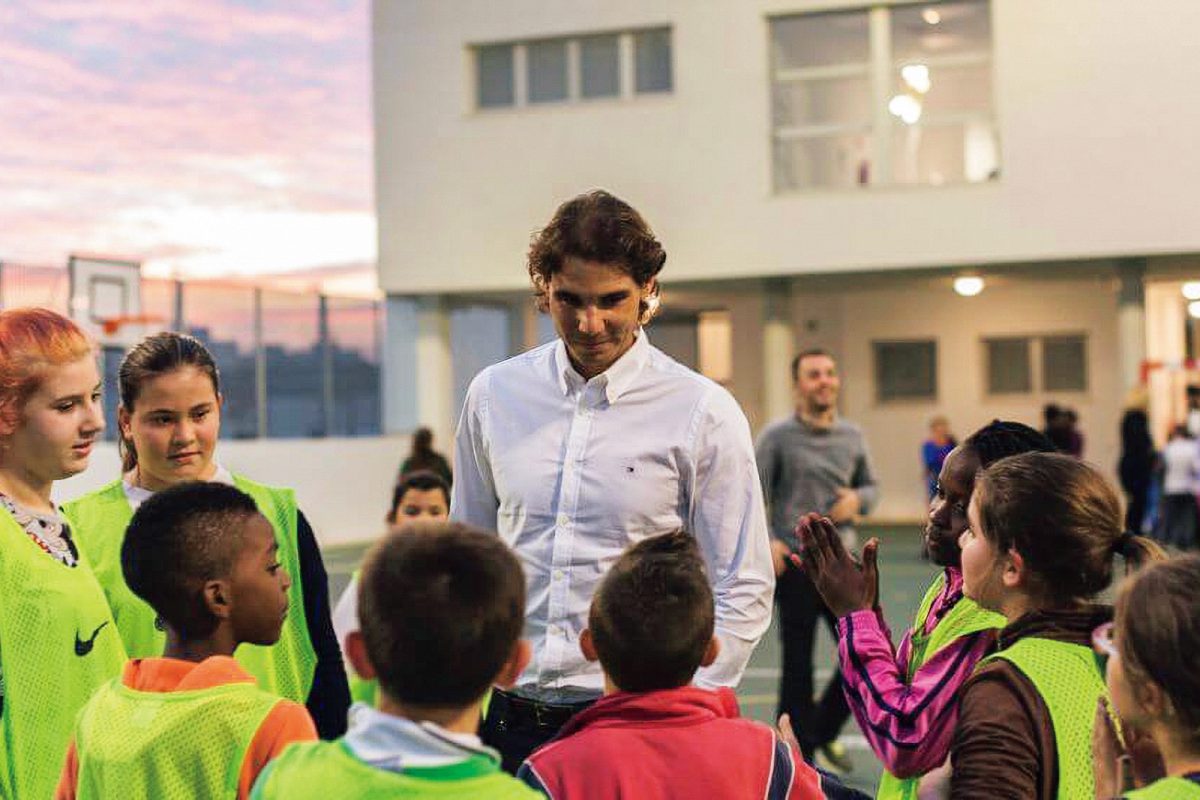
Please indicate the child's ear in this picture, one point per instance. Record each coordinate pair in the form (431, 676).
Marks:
(1013, 572)
(587, 645)
(516, 664)
(356, 652)
(1152, 699)
(711, 652)
(218, 599)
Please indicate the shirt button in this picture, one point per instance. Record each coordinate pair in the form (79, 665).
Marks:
(563, 519)
(558, 575)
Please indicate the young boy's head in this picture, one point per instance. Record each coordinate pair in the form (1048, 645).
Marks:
(651, 620)
(420, 496)
(441, 608)
(203, 556)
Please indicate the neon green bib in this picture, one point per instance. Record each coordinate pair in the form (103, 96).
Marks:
(167, 744)
(57, 645)
(963, 619)
(1167, 789)
(286, 668)
(1070, 683)
(320, 770)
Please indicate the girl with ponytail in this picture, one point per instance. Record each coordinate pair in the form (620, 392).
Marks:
(170, 421)
(1043, 532)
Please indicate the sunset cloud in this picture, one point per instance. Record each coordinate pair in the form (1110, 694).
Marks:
(201, 137)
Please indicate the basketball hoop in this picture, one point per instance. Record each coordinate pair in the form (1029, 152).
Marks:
(111, 325)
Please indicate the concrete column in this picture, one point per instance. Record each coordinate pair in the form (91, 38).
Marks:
(1131, 320)
(778, 348)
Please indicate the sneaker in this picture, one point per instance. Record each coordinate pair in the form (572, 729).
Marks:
(833, 757)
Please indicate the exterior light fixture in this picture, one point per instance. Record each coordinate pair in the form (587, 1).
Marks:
(969, 285)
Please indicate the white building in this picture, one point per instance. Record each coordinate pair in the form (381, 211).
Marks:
(819, 172)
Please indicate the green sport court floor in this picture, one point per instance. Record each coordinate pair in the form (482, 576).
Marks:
(903, 578)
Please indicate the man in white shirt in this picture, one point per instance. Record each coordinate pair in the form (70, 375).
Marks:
(576, 449)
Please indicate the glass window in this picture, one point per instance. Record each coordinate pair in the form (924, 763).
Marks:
(494, 76)
(905, 370)
(1064, 364)
(547, 62)
(839, 162)
(223, 318)
(158, 300)
(941, 29)
(295, 365)
(652, 61)
(819, 40)
(844, 100)
(598, 66)
(479, 337)
(354, 331)
(1008, 366)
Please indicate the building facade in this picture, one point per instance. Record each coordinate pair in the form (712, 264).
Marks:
(821, 173)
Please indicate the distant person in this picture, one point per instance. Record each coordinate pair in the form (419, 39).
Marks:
(170, 422)
(442, 612)
(1193, 415)
(576, 449)
(934, 451)
(1060, 427)
(421, 497)
(812, 461)
(423, 458)
(192, 723)
(1181, 469)
(1136, 467)
(653, 735)
(1074, 436)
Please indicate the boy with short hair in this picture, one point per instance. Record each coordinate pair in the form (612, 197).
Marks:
(441, 609)
(192, 723)
(654, 736)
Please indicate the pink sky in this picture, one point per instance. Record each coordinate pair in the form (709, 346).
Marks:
(202, 137)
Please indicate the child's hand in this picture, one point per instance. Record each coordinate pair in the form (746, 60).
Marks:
(844, 584)
(786, 733)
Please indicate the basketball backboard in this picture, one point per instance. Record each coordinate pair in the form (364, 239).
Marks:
(103, 290)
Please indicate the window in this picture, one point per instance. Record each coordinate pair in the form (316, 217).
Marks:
(1008, 366)
(573, 69)
(599, 66)
(1064, 364)
(494, 67)
(547, 71)
(1059, 363)
(886, 95)
(652, 51)
(905, 370)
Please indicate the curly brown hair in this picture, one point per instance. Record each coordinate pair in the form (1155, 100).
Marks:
(596, 226)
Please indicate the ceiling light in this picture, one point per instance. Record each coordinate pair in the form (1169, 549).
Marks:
(969, 285)
(917, 77)
(1194, 309)
(905, 107)
(1191, 290)
(932, 16)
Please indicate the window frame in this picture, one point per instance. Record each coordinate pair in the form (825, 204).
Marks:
(1037, 365)
(876, 364)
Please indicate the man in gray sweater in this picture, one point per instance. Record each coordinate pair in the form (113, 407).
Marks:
(812, 461)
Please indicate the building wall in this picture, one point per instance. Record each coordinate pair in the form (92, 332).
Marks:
(1090, 100)
(343, 486)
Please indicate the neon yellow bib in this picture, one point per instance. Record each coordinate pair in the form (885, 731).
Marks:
(1167, 789)
(321, 770)
(965, 618)
(58, 644)
(169, 745)
(286, 668)
(1069, 681)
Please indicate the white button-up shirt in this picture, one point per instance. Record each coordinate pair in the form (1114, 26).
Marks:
(571, 472)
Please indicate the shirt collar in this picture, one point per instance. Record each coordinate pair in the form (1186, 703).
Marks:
(397, 744)
(615, 380)
(136, 495)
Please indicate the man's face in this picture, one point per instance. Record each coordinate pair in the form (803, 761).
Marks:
(817, 384)
(595, 309)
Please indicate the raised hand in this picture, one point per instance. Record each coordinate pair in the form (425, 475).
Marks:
(845, 585)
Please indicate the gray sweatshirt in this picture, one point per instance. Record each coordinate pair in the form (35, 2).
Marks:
(802, 467)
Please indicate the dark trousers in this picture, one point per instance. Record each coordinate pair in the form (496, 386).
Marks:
(800, 606)
(516, 726)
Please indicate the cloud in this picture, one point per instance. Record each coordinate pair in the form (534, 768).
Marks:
(176, 127)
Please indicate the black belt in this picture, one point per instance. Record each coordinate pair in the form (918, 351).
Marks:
(512, 708)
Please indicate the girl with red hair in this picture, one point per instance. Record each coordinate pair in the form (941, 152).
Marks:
(58, 642)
